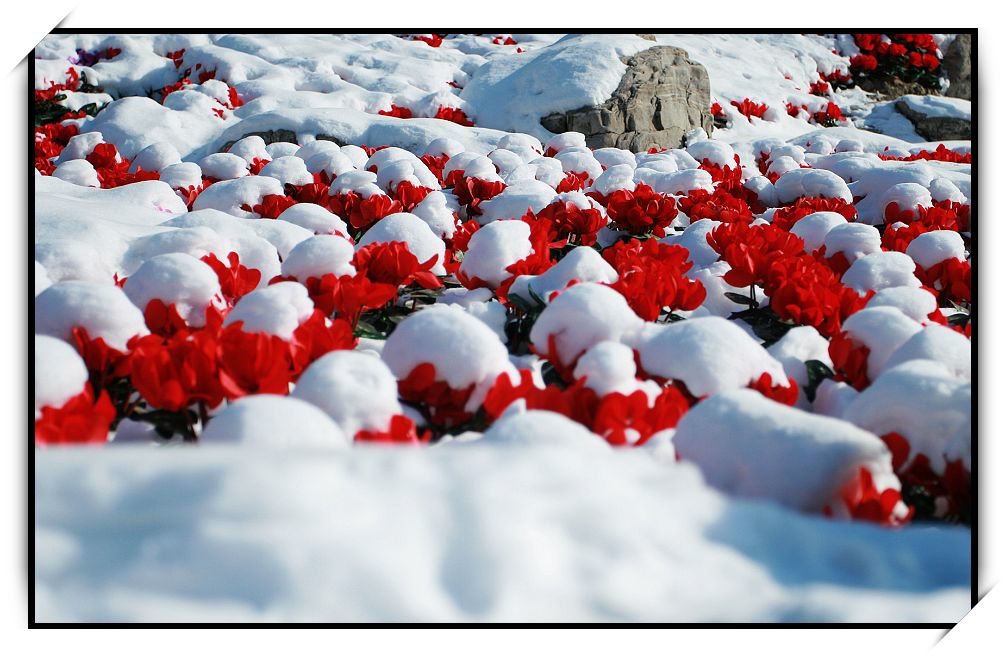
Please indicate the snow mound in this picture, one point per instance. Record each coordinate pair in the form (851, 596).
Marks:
(104, 311)
(709, 354)
(463, 350)
(59, 373)
(277, 309)
(176, 279)
(923, 402)
(751, 446)
(492, 551)
(355, 389)
(273, 421)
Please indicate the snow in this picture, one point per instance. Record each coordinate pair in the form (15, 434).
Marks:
(852, 240)
(78, 172)
(815, 228)
(609, 367)
(176, 279)
(709, 354)
(575, 541)
(319, 255)
(932, 248)
(583, 264)
(881, 270)
(514, 201)
(882, 329)
(277, 309)
(273, 422)
(223, 166)
(463, 350)
(939, 344)
(155, 158)
(817, 183)
(581, 317)
(41, 278)
(481, 304)
(438, 212)
(750, 446)
(416, 233)
(59, 373)
(915, 302)
(939, 106)
(493, 248)
(574, 72)
(923, 402)
(355, 389)
(315, 218)
(532, 428)
(793, 350)
(229, 195)
(104, 311)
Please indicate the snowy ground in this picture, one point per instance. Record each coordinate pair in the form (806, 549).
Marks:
(458, 533)
(290, 298)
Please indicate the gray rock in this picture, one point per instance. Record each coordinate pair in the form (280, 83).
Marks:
(935, 128)
(893, 87)
(662, 96)
(957, 65)
(269, 137)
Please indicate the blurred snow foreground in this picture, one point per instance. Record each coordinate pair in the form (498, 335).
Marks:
(463, 532)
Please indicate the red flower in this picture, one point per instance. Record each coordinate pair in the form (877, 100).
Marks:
(397, 112)
(864, 502)
(573, 182)
(784, 394)
(410, 195)
(81, 420)
(850, 360)
(472, 191)
(751, 250)
(236, 280)
(103, 362)
(445, 405)
(362, 213)
(749, 108)
(348, 296)
(272, 206)
(316, 337)
(641, 210)
(454, 115)
(434, 40)
(401, 430)
(316, 193)
(568, 220)
(787, 216)
(651, 277)
(253, 363)
(720, 205)
(174, 373)
(393, 264)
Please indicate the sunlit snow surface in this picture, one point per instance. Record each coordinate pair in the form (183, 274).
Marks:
(461, 532)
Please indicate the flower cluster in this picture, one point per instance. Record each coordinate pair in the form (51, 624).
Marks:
(909, 57)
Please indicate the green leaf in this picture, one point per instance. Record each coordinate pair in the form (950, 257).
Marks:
(741, 299)
(816, 373)
(960, 320)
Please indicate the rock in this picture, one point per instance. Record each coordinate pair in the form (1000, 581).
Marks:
(662, 96)
(893, 87)
(935, 128)
(957, 65)
(269, 137)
